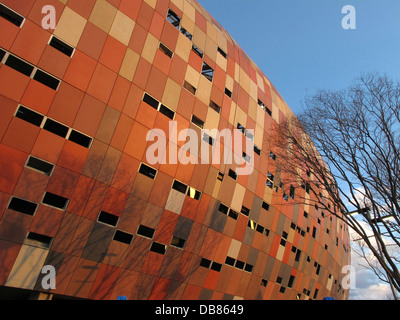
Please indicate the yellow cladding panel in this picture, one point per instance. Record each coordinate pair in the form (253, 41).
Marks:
(171, 95)
(27, 267)
(122, 28)
(103, 15)
(70, 27)
(129, 64)
(150, 47)
(238, 197)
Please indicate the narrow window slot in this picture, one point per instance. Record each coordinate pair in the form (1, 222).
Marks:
(2, 54)
(215, 107)
(246, 157)
(108, 218)
(207, 71)
(222, 52)
(189, 87)
(178, 242)
(216, 266)
(147, 171)
(264, 282)
(248, 267)
(239, 264)
(220, 176)
(233, 214)
(23, 206)
(61, 46)
(193, 193)
(46, 79)
(40, 165)
(123, 237)
(197, 51)
(208, 139)
(196, 121)
(205, 263)
(173, 18)
(257, 150)
(241, 128)
(167, 112)
(165, 50)
(179, 186)
(55, 201)
(265, 206)
(228, 92)
(39, 239)
(186, 33)
(282, 290)
(11, 16)
(230, 261)
(19, 65)
(223, 208)
(158, 248)
(272, 155)
(145, 231)
(79, 138)
(29, 116)
(245, 211)
(232, 174)
(260, 228)
(151, 101)
(56, 128)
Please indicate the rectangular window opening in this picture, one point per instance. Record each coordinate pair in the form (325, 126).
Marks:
(23, 206)
(179, 186)
(19, 65)
(193, 193)
(205, 263)
(80, 138)
(222, 52)
(265, 206)
(196, 121)
(223, 208)
(167, 112)
(2, 54)
(207, 71)
(215, 107)
(173, 18)
(178, 242)
(245, 211)
(232, 174)
(55, 201)
(272, 155)
(220, 176)
(40, 165)
(108, 218)
(257, 150)
(228, 92)
(46, 79)
(165, 50)
(158, 248)
(61, 46)
(216, 266)
(230, 261)
(197, 51)
(151, 101)
(189, 87)
(123, 237)
(10, 15)
(239, 264)
(248, 267)
(29, 116)
(208, 139)
(145, 231)
(264, 282)
(233, 214)
(39, 239)
(260, 228)
(186, 33)
(56, 128)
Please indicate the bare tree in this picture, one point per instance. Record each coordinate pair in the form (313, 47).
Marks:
(344, 150)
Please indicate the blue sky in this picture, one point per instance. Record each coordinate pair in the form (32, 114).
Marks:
(301, 47)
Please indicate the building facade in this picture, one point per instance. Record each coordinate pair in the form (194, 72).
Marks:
(82, 84)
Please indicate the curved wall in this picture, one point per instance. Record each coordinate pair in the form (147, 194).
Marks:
(79, 192)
